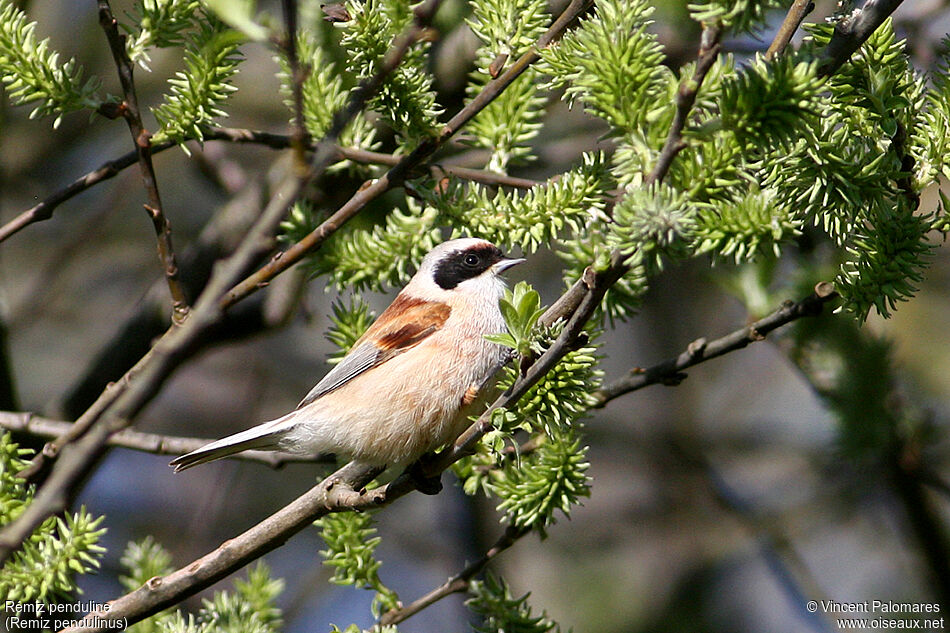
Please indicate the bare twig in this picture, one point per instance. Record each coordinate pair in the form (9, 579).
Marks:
(38, 426)
(793, 19)
(141, 138)
(457, 583)
(297, 77)
(670, 372)
(685, 98)
(44, 209)
(852, 31)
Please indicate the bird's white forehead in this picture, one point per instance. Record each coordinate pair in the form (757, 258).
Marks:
(459, 244)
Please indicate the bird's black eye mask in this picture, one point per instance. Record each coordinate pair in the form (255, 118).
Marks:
(458, 266)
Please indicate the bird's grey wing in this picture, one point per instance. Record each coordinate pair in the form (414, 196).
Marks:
(401, 326)
(360, 359)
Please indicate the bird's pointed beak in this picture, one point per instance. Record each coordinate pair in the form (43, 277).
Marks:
(505, 264)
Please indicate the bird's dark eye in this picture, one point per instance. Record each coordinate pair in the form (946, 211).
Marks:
(471, 260)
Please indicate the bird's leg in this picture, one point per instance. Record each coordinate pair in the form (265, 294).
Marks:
(425, 483)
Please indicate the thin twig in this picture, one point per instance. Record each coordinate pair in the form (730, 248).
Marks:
(141, 139)
(793, 19)
(297, 78)
(457, 583)
(38, 426)
(670, 372)
(685, 98)
(44, 210)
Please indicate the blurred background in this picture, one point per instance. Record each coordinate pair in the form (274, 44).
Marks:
(722, 504)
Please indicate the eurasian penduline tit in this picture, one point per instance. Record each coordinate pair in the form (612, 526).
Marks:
(407, 385)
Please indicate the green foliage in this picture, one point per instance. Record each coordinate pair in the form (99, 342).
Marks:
(198, 92)
(652, 224)
(933, 138)
(32, 73)
(537, 216)
(562, 396)
(492, 601)
(406, 100)
(770, 104)
(46, 566)
(323, 95)
(750, 227)
(550, 478)
(521, 308)
(738, 16)
(351, 546)
(381, 256)
(888, 253)
(348, 324)
(513, 119)
(613, 64)
(158, 24)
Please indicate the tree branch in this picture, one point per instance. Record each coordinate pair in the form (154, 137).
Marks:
(129, 110)
(457, 583)
(852, 31)
(685, 98)
(670, 372)
(793, 19)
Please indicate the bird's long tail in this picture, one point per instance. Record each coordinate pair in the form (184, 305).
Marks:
(263, 437)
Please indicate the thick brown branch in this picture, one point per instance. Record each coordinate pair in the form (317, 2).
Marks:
(670, 372)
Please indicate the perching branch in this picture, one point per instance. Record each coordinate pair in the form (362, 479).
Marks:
(670, 372)
(129, 110)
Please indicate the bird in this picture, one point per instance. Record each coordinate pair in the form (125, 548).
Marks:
(407, 386)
